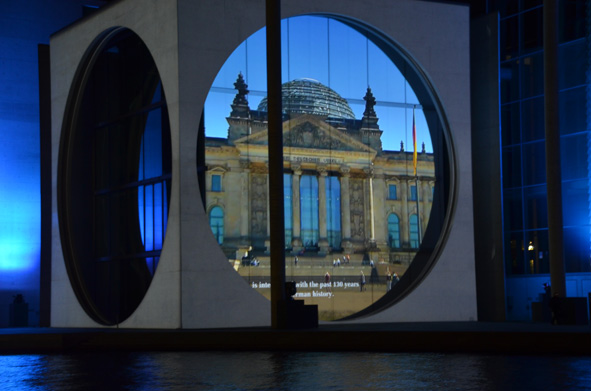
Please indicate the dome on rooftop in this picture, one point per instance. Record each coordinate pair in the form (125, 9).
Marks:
(309, 96)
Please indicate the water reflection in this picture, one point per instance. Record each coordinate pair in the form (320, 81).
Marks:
(291, 371)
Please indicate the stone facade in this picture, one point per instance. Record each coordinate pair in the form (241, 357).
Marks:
(321, 146)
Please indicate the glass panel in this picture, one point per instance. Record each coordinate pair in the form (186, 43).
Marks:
(534, 163)
(577, 249)
(309, 210)
(236, 119)
(512, 210)
(216, 222)
(512, 166)
(531, 30)
(413, 193)
(509, 81)
(527, 4)
(149, 217)
(572, 19)
(532, 75)
(537, 258)
(573, 110)
(122, 141)
(573, 156)
(514, 253)
(304, 57)
(536, 207)
(392, 192)
(216, 183)
(575, 203)
(393, 231)
(508, 7)
(333, 211)
(509, 37)
(532, 114)
(572, 64)
(151, 150)
(510, 124)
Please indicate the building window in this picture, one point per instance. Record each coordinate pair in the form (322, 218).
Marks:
(414, 231)
(309, 210)
(216, 222)
(333, 211)
(216, 182)
(392, 192)
(393, 231)
(413, 193)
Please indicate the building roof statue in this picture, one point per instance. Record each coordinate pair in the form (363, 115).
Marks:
(240, 107)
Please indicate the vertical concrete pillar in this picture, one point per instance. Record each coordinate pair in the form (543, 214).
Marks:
(553, 175)
(277, 235)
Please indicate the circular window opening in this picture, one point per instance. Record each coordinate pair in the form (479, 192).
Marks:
(367, 168)
(114, 176)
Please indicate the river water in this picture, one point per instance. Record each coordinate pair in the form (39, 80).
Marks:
(291, 371)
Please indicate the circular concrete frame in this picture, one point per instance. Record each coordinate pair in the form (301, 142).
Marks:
(72, 227)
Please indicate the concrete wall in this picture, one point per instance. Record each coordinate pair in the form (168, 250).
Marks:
(194, 286)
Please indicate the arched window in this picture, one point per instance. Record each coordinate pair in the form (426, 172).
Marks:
(393, 231)
(414, 231)
(216, 221)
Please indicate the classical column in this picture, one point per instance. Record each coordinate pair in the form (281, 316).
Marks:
(425, 205)
(404, 217)
(345, 210)
(323, 241)
(372, 224)
(296, 242)
(379, 205)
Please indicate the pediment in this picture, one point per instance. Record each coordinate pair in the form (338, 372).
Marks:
(309, 132)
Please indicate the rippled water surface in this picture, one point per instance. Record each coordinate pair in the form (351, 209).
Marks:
(291, 371)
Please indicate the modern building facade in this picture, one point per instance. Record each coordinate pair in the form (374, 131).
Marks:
(507, 141)
(135, 279)
(517, 150)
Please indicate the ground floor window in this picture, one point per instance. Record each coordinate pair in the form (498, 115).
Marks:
(216, 221)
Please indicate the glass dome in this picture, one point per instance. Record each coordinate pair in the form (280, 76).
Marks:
(309, 96)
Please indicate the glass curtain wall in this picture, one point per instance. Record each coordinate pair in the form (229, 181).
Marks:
(340, 168)
(525, 221)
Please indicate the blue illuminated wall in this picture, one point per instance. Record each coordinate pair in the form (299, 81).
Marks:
(525, 212)
(23, 25)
